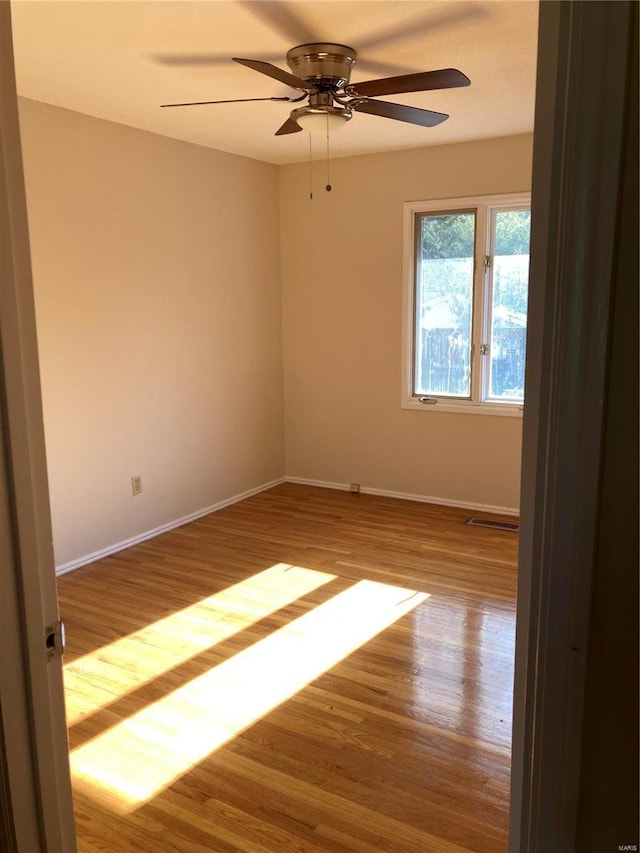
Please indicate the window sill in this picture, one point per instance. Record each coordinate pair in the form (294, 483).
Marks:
(465, 407)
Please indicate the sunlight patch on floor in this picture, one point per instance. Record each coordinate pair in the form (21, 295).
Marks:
(101, 677)
(132, 762)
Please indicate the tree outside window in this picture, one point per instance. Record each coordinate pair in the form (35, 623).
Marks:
(470, 286)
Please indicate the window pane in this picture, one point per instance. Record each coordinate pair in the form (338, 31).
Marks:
(509, 305)
(444, 297)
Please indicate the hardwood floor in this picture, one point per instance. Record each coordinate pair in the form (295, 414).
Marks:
(308, 670)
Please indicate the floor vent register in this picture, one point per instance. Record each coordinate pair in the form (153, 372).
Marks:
(499, 525)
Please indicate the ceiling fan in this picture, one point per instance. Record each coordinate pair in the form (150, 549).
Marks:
(322, 70)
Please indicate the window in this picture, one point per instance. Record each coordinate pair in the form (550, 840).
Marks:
(466, 280)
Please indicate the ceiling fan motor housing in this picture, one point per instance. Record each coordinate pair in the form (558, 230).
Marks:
(324, 64)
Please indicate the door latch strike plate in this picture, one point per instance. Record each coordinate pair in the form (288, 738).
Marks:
(54, 640)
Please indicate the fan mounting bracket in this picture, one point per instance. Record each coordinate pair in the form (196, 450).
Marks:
(324, 64)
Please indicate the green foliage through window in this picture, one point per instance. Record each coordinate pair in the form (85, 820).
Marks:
(448, 235)
(448, 282)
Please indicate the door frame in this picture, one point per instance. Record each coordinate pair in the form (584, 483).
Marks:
(582, 106)
(35, 799)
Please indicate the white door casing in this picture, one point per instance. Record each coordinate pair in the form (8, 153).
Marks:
(35, 755)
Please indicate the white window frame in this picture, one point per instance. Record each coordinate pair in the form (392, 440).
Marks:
(485, 208)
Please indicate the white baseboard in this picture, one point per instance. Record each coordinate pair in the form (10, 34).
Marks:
(171, 525)
(321, 484)
(406, 496)
(303, 481)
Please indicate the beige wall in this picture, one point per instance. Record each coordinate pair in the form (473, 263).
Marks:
(157, 285)
(157, 273)
(342, 300)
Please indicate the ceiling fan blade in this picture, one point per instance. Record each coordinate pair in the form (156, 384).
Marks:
(290, 126)
(277, 73)
(281, 18)
(445, 78)
(230, 101)
(451, 16)
(371, 66)
(190, 58)
(400, 112)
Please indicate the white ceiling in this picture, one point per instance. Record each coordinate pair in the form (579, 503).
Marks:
(120, 59)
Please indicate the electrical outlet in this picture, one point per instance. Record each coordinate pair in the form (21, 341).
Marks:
(354, 487)
(136, 484)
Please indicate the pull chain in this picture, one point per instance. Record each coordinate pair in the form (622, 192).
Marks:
(328, 186)
(310, 172)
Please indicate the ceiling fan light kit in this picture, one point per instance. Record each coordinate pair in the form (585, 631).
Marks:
(321, 121)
